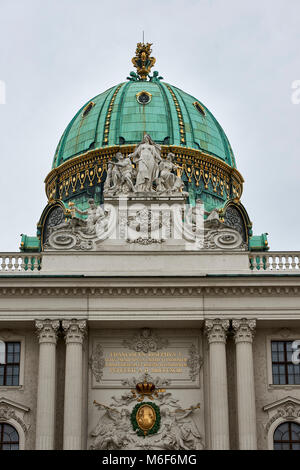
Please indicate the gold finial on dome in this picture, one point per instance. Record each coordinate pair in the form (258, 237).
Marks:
(142, 60)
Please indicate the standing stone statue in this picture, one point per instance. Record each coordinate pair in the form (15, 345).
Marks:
(147, 156)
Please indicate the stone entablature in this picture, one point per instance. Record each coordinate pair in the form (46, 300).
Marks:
(271, 263)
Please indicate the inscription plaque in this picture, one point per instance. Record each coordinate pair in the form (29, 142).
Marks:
(112, 360)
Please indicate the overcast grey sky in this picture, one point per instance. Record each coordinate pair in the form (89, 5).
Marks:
(240, 58)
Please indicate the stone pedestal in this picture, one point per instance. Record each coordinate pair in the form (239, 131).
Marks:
(216, 331)
(244, 332)
(74, 334)
(45, 419)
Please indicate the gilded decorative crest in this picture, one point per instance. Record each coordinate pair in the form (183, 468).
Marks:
(145, 418)
(142, 60)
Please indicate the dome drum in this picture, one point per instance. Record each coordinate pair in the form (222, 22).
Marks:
(205, 177)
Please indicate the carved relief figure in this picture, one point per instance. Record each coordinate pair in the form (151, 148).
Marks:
(113, 432)
(179, 431)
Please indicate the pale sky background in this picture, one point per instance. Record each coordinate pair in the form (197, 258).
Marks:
(239, 58)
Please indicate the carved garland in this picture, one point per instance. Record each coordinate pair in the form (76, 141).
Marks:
(194, 362)
(97, 362)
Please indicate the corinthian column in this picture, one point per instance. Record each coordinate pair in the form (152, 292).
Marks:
(244, 332)
(45, 415)
(74, 335)
(216, 331)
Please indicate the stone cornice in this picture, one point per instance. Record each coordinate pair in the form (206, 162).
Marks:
(35, 289)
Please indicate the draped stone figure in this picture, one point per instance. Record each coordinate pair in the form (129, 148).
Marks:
(147, 156)
(168, 181)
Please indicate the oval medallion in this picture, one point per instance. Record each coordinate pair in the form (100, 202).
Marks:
(146, 417)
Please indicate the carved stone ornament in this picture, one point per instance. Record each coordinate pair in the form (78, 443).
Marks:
(234, 219)
(78, 233)
(244, 330)
(47, 330)
(287, 409)
(74, 330)
(97, 362)
(213, 233)
(146, 241)
(216, 330)
(224, 239)
(177, 428)
(194, 362)
(146, 341)
(9, 411)
(55, 218)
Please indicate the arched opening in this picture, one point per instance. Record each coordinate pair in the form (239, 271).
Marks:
(9, 437)
(287, 436)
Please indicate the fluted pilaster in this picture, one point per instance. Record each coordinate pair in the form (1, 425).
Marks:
(216, 331)
(45, 420)
(243, 333)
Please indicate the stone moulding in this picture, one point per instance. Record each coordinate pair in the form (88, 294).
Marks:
(158, 291)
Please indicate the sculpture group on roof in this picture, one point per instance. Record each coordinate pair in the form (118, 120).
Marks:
(143, 171)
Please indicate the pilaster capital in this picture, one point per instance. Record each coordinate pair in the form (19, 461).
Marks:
(216, 330)
(74, 330)
(244, 330)
(47, 330)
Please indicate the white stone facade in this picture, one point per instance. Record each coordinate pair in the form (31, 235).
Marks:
(212, 302)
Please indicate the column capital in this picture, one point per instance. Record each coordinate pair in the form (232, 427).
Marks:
(74, 330)
(216, 330)
(47, 330)
(244, 330)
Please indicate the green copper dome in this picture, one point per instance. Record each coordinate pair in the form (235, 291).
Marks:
(116, 121)
(122, 114)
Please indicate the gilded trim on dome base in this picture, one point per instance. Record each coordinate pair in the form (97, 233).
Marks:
(89, 170)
